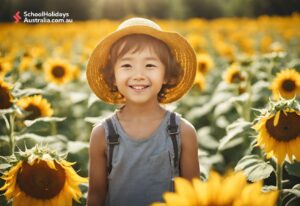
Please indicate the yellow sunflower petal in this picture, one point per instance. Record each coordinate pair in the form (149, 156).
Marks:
(173, 199)
(158, 204)
(276, 119)
(202, 191)
(232, 186)
(51, 164)
(184, 188)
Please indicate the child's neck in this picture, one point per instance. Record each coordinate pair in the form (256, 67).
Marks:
(134, 112)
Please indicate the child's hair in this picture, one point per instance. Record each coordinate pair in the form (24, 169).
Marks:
(135, 43)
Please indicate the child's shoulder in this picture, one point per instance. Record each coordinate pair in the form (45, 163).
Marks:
(99, 128)
(186, 127)
(97, 139)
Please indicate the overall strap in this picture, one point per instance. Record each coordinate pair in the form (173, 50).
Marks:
(173, 132)
(113, 139)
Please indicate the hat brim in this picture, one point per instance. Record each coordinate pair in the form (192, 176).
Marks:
(179, 47)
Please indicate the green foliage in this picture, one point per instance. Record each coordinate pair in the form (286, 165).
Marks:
(254, 167)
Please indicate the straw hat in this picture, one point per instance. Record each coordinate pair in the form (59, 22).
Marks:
(180, 48)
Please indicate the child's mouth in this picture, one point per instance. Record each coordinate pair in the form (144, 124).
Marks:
(139, 87)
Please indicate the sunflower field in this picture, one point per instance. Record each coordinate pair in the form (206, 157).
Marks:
(244, 105)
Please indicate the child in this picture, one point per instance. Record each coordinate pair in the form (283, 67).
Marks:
(135, 153)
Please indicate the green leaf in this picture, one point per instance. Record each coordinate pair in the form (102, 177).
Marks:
(222, 108)
(254, 168)
(239, 123)
(197, 112)
(93, 120)
(259, 87)
(222, 122)
(236, 130)
(92, 99)
(295, 190)
(77, 146)
(5, 111)
(232, 143)
(269, 188)
(28, 92)
(292, 203)
(240, 99)
(77, 97)
(6, 121)
(220, 97)
(29, 123)
(4, 166)
(245, 162)
(205, 139)
(293, 169)
(41, 139)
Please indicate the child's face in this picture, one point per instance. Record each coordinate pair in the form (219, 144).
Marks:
(139, 76)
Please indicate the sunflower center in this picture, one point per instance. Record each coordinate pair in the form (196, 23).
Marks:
(5, 102)
(236, 77)
(39, 65)
(202, 67)
(41, 182)
(26, 54)
(287, 128)
(58, 71)
(34, 112)
(289, 85)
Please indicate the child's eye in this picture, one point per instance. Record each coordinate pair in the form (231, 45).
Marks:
(126, 65)
(150, 65)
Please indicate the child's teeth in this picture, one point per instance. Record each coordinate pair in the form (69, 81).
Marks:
(139, 87)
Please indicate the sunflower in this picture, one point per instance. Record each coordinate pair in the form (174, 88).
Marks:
(26, 64)
(226, 50)
(5, 66)
(278, 130)
(246, 45)
(222, 191)
(205, 63)
(58, 71)
(233, 74)
(41, 178)
(197, 41)
(254, 190)
(199, 81)
(6, 98)
(35, 106)
(286, 84)
(76, 72)
(265, 44)
(276, 47)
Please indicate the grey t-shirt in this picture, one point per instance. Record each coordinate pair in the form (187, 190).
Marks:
(142, 170)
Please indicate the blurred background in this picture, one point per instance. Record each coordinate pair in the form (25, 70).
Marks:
(248, 53)
(175, 9)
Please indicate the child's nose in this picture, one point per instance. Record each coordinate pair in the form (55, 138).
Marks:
(139, 74)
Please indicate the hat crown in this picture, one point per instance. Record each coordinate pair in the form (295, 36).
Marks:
(138, 22)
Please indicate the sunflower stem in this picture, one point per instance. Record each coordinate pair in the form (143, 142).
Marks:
(279, 181)
(248, 103)
(53, 128)
(11, 133)
(247, 109)
(270, 69)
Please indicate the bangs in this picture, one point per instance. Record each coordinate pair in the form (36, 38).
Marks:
(138, 42)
